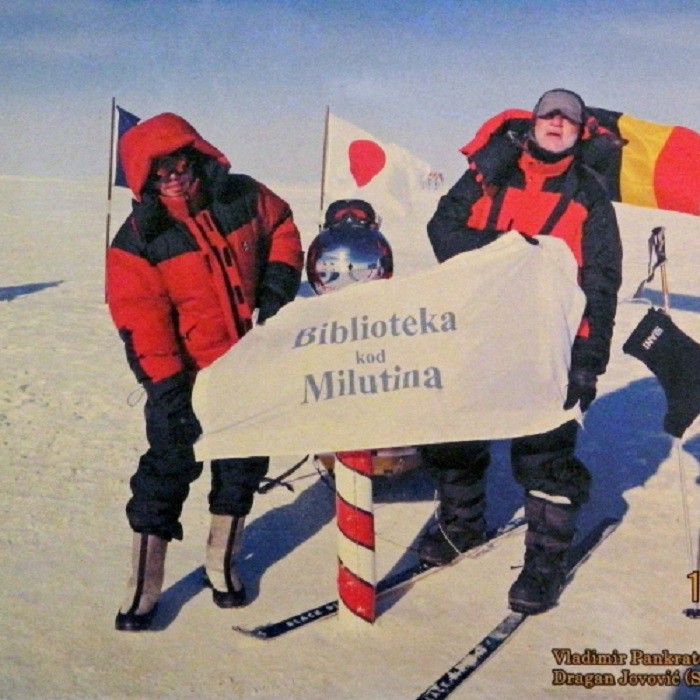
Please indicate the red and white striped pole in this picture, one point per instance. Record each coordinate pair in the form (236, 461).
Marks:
(357, 578)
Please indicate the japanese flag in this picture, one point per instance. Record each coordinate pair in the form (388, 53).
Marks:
(359, 166)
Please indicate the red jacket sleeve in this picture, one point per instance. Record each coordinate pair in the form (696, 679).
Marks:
(142, 313)
(285, 242)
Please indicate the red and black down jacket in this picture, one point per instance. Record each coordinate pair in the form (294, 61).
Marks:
(508, 188)
(183, 280)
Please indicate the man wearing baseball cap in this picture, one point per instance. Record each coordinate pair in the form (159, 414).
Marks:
(529, 172)
(559, 118)
(567, 103)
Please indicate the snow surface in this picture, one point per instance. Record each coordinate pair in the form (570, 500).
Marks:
(71, 418)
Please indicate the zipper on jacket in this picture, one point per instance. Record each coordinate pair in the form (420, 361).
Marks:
(241, 326)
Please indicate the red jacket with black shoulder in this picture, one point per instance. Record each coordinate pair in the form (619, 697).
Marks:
(510, 186)
(184, 275)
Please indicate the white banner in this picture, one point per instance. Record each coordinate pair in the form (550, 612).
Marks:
(476, 348)
(359, 166)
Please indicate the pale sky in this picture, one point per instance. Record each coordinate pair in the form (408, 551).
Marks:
(255, 76)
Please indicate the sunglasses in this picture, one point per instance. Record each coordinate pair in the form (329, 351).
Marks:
(171, 165)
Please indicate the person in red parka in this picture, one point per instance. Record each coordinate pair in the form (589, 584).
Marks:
(201, 251)
(538, 173)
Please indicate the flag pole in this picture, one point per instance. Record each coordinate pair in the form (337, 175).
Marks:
(677, 441)
(323, 169)
(659, 238)
(109, 190)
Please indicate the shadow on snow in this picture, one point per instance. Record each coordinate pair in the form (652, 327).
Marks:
(622, 443)
(11, 293)
(678, 302)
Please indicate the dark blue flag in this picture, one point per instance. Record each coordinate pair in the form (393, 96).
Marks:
(124, 122)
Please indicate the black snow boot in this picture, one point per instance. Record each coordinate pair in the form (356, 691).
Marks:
(551, 529)
(145, 584)
(461, 524)
(224, 542)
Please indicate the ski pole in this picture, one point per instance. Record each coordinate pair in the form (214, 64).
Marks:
(658, 235)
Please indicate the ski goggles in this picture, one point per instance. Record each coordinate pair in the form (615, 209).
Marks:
(563, 102)
(555, 113)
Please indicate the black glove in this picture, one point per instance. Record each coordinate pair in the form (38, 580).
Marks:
(496, 159)
(582, 388)
(171, 399)
(270, 303)
(149, 214)
(279, 286)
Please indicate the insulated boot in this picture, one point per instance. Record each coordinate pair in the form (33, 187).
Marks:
(224, 542)
(461, 524)
(551, 529)
(145, 584)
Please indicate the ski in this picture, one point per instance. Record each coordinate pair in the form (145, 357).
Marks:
(386, 585)
(466, 666)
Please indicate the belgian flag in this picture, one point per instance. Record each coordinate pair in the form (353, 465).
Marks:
(658, 167)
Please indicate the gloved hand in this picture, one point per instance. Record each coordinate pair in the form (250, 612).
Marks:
(496, 159)
(270, 303)
(583, 387)
(149, 213)
(279, 286)
(171, 398)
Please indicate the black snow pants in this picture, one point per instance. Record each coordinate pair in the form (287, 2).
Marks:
(543, 462)
(162, 481)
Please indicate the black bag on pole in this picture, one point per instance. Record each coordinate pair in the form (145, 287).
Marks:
(674, 358)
